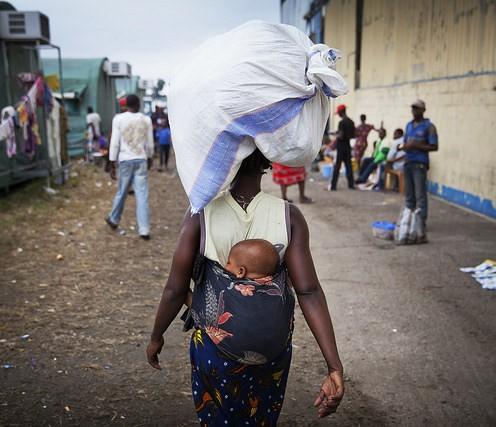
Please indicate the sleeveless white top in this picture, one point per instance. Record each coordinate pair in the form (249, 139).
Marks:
(225, 223)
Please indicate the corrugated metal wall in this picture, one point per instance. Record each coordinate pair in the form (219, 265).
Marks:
(425, 39)
(443, 51)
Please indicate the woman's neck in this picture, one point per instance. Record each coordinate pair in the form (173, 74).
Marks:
(247, 186)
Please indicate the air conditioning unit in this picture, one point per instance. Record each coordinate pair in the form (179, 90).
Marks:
(119, 69)
(146, 84)
(24, 26)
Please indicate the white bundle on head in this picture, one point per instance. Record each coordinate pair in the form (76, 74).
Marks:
(260, 85)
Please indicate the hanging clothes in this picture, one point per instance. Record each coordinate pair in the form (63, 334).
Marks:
(7, 130)
(27, 77)
(53, 136)
(53, 82)
(47, 101)
(3, 130)
(32, 96)
(11, 138)
(23, 117)
(7, 112)
(28, 123)
(38, 95)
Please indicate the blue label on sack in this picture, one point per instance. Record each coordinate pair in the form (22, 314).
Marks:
(332, 54)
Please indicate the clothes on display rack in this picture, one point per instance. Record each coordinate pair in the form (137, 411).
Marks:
(53, 136)
(24, 116)
(29, 124)
(7, 130)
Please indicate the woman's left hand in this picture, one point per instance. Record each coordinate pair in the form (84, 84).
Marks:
(153, 350)
(330, 394)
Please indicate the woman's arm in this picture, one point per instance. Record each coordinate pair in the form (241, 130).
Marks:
(314, 306)
(177, 287)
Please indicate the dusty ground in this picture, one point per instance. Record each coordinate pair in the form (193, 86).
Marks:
(417, 337)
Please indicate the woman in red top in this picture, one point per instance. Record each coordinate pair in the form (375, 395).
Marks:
(361, 133)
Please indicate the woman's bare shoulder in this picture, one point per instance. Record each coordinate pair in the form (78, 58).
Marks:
(296, 217)
(299, 227)
(191, 223)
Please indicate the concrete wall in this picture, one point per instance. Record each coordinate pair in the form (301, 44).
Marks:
(443, 52)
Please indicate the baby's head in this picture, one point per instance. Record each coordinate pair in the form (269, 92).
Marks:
(253, 259)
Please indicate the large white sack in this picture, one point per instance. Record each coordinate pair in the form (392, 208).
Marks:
(260, 85)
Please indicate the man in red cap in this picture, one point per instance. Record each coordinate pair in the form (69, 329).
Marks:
(346, 131)
(122, 105)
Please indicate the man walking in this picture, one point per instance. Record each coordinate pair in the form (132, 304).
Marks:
(93, 122)
(346, 131)
(131, 145)
(420, 138)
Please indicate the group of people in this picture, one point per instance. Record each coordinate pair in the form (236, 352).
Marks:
(407, 154)
(161, 136)
(98, 146)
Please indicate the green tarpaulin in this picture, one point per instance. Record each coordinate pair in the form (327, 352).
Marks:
(86, 84)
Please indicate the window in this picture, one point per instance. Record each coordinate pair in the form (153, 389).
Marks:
(358, 42)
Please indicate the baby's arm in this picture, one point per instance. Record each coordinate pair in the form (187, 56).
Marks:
(186, 317)
(189, 299)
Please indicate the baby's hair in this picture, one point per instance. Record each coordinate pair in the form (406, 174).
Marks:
(259, 254)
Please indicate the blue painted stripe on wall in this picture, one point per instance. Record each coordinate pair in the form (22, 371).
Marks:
(221, 156)
(467, 200)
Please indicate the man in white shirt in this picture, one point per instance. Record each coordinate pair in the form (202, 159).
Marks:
(395, 157)
(93, 120)
(131, 145)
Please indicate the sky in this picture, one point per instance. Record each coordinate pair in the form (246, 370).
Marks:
(152, 35)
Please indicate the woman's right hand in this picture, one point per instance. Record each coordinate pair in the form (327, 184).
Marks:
(153, 350)
(330, 394)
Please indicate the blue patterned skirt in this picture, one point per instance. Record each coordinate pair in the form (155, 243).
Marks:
(229, 393)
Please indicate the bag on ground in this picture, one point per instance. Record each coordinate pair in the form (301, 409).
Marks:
(416, 233)
(410, 228)
(403, 227)
(260, 85)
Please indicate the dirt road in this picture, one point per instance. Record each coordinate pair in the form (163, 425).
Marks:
(416, 335)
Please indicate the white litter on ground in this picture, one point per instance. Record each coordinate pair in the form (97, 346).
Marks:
(484, 273)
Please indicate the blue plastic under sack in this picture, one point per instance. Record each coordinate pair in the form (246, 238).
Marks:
(383, 230)
(384, 225)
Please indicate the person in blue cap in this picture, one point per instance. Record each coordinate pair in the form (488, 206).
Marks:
(419, 140)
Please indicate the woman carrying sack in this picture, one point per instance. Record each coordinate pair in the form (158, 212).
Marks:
(236, 377)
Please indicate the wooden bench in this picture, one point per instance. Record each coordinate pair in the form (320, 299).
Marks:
(388, 185)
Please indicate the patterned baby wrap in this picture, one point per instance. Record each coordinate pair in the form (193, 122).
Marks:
(250, 321)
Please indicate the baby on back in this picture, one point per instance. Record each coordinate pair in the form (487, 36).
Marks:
(253, 259)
